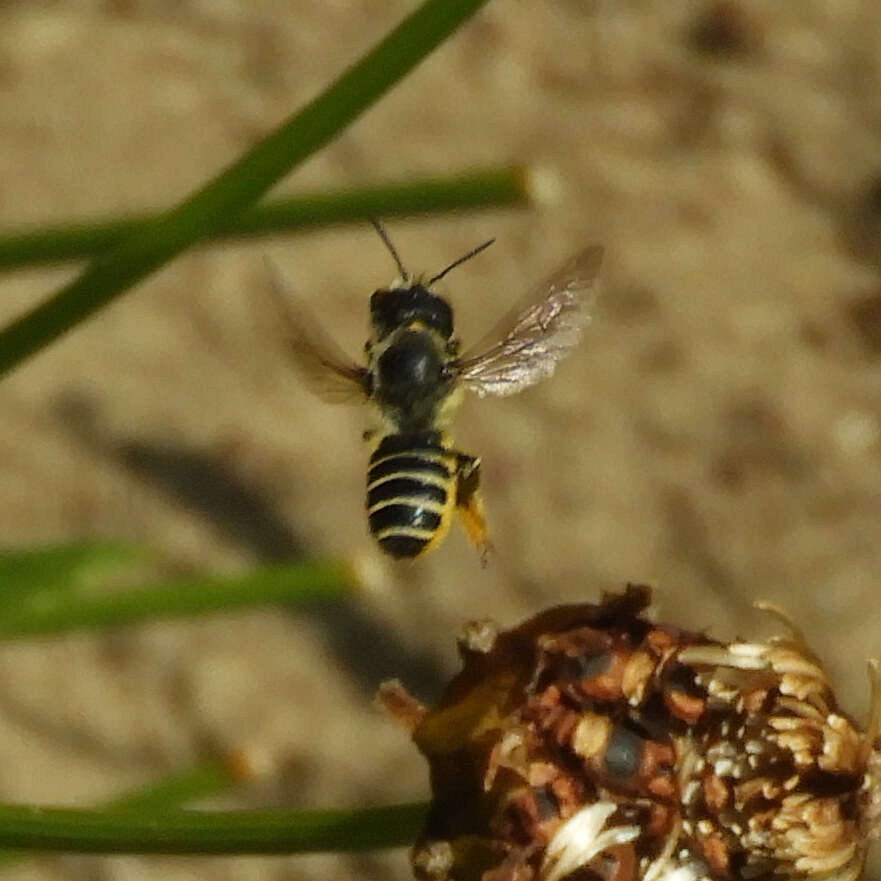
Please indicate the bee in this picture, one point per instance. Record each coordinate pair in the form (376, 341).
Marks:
(415, 376)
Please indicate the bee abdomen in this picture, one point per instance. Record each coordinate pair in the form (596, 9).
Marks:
(409, 492)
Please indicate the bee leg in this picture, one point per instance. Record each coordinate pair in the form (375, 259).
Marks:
(469, 501)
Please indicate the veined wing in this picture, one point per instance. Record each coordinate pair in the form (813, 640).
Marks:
(328, 372)
(535, 337)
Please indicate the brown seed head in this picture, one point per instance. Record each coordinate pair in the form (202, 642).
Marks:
(592, 743)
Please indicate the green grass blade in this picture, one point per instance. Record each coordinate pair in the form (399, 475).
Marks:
(167, 794)
(209, 832)
(241, 184)
(44, 613)
(59, 567)
(78, 239)
(174, 791)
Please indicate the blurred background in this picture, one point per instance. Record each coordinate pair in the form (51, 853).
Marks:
(716, 434)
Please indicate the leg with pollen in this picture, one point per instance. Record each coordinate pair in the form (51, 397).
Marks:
(469, 503)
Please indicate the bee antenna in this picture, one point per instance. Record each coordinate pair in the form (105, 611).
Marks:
(381, 231)
(472, 253)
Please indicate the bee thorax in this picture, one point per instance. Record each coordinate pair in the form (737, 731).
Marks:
(409, 380)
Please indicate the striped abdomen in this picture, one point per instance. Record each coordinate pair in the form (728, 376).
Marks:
(410, 492)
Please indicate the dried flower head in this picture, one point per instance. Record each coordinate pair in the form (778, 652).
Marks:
(592, 743)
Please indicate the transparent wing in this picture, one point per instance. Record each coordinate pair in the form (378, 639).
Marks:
(326, 370)
(535, 337)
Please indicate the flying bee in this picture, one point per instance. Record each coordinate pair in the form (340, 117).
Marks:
(415, 376)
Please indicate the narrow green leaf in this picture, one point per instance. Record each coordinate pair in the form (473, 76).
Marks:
(43, 613)
(174, 791)
(76, 239)
(57, 567)
(167, 794)
(240, 185)
(209, 832)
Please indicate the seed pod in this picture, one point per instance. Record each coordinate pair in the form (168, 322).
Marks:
(594, 744)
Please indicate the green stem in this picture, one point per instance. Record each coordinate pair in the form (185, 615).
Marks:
(77, 239)
(164, 795)
(240, 185)
(43, 613)
(209, 832)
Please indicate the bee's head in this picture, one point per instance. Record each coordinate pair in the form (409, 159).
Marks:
(409, 301)
(401, 307)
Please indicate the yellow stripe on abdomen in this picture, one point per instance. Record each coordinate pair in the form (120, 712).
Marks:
(410, 493)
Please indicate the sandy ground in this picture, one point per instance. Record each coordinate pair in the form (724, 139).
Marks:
(717, 434)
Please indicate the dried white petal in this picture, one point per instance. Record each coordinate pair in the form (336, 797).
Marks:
(581, 838)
